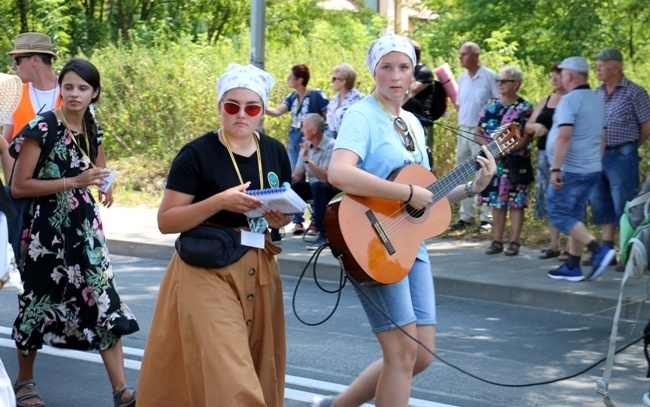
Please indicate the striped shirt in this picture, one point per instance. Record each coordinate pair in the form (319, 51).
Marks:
(626, 108)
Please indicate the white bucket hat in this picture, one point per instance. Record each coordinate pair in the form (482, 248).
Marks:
(11, 89)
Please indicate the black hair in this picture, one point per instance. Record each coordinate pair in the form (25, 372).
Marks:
(46, 58)
(89, 73)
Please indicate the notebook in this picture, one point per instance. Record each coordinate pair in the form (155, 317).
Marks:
(281, 199)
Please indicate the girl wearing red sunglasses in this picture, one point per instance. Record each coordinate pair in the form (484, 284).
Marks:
(222, 328)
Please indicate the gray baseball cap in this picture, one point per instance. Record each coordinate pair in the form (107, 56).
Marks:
(576, 64)
(610, 54)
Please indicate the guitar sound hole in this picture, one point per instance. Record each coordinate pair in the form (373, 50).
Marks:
(414, 213)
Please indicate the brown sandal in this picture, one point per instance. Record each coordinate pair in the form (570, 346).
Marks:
(513, 249)
(495, 247)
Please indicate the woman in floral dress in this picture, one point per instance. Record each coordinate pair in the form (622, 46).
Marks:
(506, 198)
(70, 299)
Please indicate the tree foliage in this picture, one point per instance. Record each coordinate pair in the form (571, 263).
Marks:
(160, 59)
(544, 30)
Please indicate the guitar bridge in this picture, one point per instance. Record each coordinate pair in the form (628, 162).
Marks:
(381, 233)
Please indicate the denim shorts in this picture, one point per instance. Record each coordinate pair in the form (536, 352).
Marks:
(566, 206)
(618, 183)
(410, 300)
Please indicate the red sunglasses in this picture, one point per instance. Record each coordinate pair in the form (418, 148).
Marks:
(234, 108)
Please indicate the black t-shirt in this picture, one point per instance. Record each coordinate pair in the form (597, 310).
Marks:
(420, 104)
(203, 168)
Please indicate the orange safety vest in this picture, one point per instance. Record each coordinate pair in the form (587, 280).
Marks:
(25, 111)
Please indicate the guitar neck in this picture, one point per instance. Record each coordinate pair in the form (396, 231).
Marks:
(449, 181)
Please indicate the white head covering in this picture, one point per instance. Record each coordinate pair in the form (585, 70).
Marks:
(385, 44)
(11, 89)
(248, 77)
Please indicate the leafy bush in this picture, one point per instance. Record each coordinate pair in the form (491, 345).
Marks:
(155, 99)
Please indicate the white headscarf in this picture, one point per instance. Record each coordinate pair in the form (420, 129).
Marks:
(247, 77)
(385, 44)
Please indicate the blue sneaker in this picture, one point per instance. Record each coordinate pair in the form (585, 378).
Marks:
(600, 260)
(565, 273)
(321, 240)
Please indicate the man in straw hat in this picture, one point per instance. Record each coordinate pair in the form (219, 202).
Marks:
(32, 63)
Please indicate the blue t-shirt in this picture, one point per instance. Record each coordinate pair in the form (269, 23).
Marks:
(581, 109)
(300, 110)
(368, 131)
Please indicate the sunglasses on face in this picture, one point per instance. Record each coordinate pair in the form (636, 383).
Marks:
(403, 130)
(334, 78)
(504, 81)
(19, 58)
(234, 108)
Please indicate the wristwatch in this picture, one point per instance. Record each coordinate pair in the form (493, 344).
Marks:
(555, 170)
(306, 162)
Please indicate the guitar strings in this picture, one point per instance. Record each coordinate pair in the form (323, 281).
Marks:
(395, 223)
(440, 188)
(444, 184)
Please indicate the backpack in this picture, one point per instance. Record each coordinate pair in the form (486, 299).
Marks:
(16, 207)
(439, 101)
(634, 249)
(635, 233)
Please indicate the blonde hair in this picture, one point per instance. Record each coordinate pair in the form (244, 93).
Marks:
(516, 73)
(347, 73)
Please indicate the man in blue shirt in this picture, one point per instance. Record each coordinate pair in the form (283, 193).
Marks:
(574, 145)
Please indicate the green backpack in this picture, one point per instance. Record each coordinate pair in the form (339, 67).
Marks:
(635, 231)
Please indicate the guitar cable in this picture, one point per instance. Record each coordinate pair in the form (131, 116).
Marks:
(344, 277)
(454, 130)
(342, 280)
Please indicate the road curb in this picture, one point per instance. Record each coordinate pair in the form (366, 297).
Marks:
(575, 299)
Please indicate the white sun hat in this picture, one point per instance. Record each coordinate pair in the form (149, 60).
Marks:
(11, 89)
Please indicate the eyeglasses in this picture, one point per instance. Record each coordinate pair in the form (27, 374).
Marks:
(234, 108)
(18, 58)
(403, 131)
(504, 81)
(334, 78)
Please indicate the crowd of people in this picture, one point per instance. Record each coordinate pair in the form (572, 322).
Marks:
(221, 326)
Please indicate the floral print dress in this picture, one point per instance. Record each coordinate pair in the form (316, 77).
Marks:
(500, 193)
(70, 299)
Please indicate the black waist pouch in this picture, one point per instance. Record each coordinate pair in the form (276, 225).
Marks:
(210, 246)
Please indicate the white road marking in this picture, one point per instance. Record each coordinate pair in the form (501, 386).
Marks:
(290, 394)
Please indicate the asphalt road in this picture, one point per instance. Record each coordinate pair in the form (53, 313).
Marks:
(496, 342)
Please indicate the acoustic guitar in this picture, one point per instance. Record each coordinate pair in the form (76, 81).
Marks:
(377, 240)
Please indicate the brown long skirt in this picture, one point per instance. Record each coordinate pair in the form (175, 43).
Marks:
(217, 337)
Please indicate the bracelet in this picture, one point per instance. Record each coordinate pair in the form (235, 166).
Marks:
(410, 194)
(64, 188)
(555, 170)
(306, 162)
(469, 189)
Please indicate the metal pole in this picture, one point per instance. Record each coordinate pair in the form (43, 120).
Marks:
(258, 27)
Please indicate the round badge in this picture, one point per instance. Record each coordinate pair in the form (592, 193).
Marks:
(273, 179)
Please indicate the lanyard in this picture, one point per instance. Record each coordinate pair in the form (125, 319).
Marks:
(74, 139)
(234, 163)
